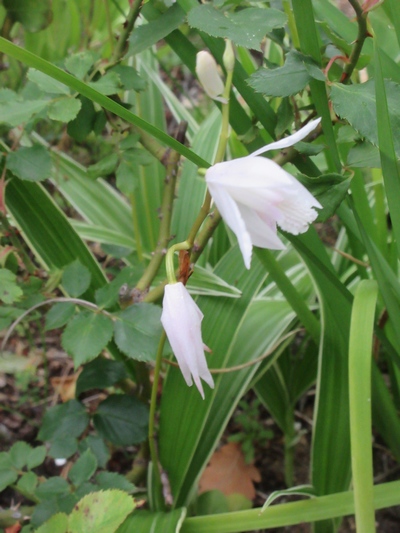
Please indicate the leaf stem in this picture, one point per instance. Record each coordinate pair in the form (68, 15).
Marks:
(359, 43)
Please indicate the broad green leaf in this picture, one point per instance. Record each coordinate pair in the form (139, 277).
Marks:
(58, 522)
(69, 419)
(195, 425)
(79, 64)
(137, 331)
(104, 167)
(63, 447)
(148, 34)
(9, 290)
(329, 189)
(64, 109)
(48, 232)
(146, 521)
(76, 278)
(97, 445)
(36, 456)
(122, 420)
(59, 315)
(357, 104)
(15, 113)
(46, 83)
(290, 79)
(52, 487)
(100, 374)
(83, 124)
(30, 163)
(83, 469)
(100, 512)
(8, 476)
(363, 155)
(34, 15)
(86, 335)
(19, 453)
(27, 483)
(130, 78)
(108, 84)
(235, 26)
(113, 480)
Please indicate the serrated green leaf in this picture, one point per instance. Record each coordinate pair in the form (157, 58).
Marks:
(9, 290)
(67, 420)
(86, 335)
(235, 26)
(110, 83)
(30, 163)
(97, 445)
(64, 109)
(100, 374)
(34, 15)
(76, 278)
(148, 34)
(18, 454)
(113, 480)
(79, 64)
(83, 469)
(36, 457)
(290, 79)
(15, 113)
(83, 124)
(127, 177)
(357, 104)
(7, 477)
(329, 189)
(104, 167)
(122, 420)
(46, 83)
(27, 483)
(58, 522)
(364, 155)
(100, 512)
(52, 487)
(59, 315)
(63, 448)
(137, 331)
(130, 78)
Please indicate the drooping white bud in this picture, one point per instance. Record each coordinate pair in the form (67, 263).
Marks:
(207, 72)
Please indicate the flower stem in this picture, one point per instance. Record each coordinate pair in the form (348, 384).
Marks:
(359, 43)
(169, 259)
(153, 405)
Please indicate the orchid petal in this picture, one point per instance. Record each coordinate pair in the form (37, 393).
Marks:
(291, 140)
(181, 319)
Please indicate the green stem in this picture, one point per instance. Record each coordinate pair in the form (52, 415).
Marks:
(169, 259)
(359, 43)
(152, 414)
(109, 25)
(360, 360)
(128, 27)
(136, 227)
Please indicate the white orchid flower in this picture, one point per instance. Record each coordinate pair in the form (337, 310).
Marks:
(207, 72)
(254, 195)
(181, 319)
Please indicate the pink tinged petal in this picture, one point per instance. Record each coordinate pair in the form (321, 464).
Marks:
(181, 319)
(291, 140)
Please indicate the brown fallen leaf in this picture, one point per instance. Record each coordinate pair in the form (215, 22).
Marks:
(228, 472)
(65, 386)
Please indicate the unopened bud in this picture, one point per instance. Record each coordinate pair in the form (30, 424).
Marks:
(207, 72)
(229, 56)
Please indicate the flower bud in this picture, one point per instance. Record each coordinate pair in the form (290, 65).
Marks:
(207, 72)
(229, 56)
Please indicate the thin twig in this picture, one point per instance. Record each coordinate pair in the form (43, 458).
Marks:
(359, 43)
